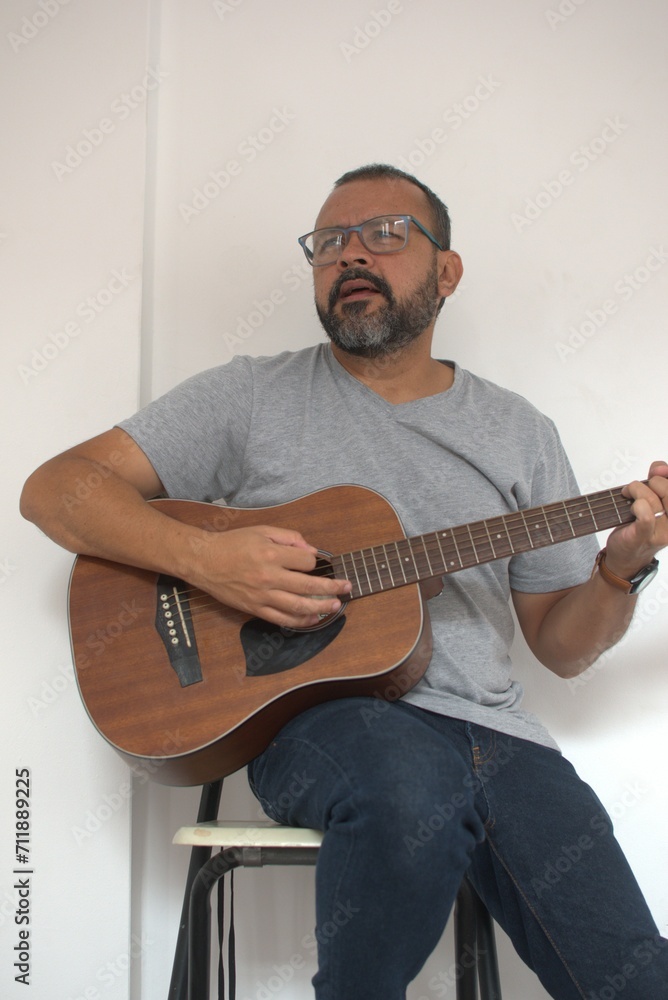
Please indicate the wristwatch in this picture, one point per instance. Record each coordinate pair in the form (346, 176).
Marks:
(637, 582)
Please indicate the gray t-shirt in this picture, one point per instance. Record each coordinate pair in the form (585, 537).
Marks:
(263, 431)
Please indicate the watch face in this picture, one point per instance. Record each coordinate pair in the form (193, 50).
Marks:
(644, 576)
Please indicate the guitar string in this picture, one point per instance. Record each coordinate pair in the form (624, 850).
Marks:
(514, 522)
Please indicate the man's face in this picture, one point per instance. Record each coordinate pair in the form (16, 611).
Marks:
(372, 305)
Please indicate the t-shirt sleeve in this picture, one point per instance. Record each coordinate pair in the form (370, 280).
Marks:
(565, 564)
(195, 435)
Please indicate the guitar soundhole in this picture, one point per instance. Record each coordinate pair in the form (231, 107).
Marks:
(270, 649)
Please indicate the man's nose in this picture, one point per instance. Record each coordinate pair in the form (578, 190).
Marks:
(354, 252)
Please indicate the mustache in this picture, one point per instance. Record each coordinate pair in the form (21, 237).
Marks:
(359, 273)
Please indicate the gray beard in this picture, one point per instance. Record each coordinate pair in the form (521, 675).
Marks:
(389, 328)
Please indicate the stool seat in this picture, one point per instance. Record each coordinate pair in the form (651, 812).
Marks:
(250, 833)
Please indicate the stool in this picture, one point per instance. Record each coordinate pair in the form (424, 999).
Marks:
(255, 844)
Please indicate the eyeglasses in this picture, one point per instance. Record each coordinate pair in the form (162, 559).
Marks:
(384, 234)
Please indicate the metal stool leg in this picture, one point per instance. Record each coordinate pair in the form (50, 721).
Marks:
(208, 810)
(199, 922)
(488, 966)
(475, 948)
(466, 943)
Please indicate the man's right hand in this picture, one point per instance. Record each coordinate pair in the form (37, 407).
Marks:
(264, 571)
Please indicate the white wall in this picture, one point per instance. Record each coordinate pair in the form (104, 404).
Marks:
(563, 300)
(515, 92)
(71, 257)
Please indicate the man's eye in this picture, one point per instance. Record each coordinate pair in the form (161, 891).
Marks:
(385, 235)
(327, 242)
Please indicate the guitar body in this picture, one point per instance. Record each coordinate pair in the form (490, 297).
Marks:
(188, 690)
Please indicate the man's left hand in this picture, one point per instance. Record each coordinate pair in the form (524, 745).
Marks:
(632, 546)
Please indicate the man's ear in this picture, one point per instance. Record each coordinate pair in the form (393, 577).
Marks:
(450, 272)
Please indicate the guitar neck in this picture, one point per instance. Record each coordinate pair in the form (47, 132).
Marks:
(411, 560)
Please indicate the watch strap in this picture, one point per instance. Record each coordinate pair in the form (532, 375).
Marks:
(627, 586)
(609, 576)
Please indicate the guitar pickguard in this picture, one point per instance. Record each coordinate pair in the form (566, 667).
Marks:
(270, 649)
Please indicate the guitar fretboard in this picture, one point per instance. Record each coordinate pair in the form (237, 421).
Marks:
(410, 560)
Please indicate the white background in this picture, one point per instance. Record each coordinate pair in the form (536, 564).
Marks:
(541, 124)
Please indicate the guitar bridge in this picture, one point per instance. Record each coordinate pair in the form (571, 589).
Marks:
(174, 625)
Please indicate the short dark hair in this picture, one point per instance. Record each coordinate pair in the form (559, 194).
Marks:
(376, 171)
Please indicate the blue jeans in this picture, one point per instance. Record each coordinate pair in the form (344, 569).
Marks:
(410, 801)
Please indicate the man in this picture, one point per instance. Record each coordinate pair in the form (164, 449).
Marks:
(454, 777)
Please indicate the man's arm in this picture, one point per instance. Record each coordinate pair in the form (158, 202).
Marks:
(569, 629)
(92, 498)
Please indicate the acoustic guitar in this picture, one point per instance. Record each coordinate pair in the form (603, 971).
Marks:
(188, 690)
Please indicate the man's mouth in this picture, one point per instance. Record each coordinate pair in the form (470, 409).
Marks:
(357, 289)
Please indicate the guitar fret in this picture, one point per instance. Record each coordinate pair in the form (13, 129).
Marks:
(408, 561)
(424, 546)
(547, 524)
(440, 549)
(568, 516)
(454, 539)
(526, 528)
(389, 563)
(380, 581)
(356, 580)
(510, 541)
(366, 572)
(448, 562)
(591, 513)
(489, 538)
(475, 552)
(614, 501)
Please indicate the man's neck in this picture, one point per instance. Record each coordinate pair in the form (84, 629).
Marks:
(409, 374)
